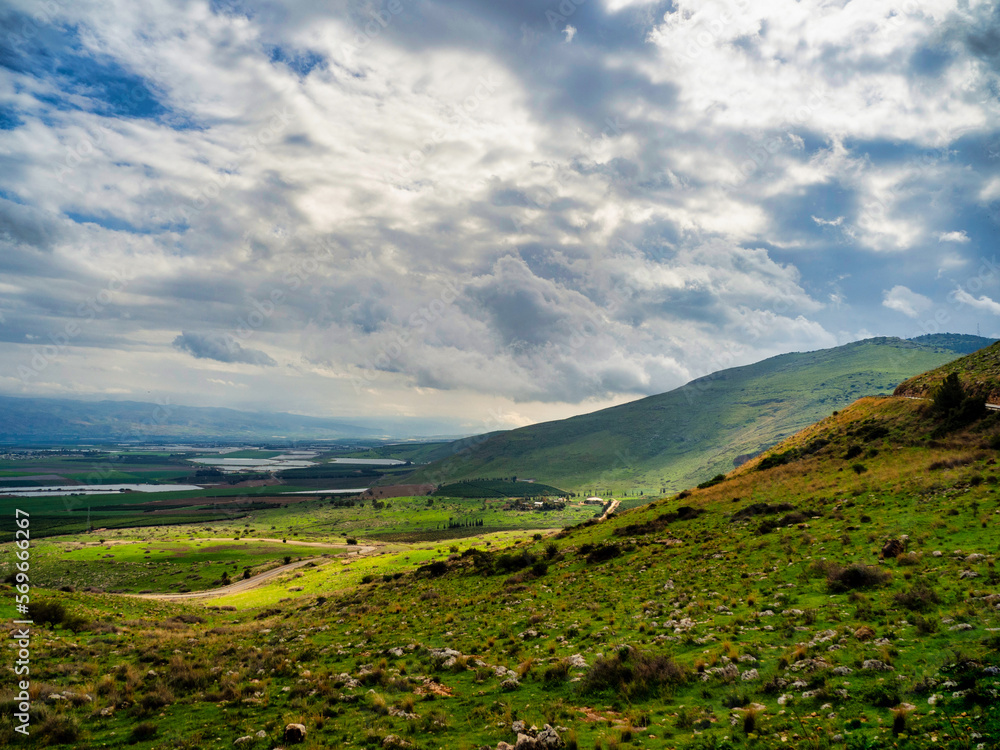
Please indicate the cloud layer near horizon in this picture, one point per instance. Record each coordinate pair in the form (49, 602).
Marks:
(501, 212)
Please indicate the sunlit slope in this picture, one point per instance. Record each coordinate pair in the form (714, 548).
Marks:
(680, 438)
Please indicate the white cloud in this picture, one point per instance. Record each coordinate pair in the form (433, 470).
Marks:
(982, 302)
(960, 237)
(570, 32)
(902, 299)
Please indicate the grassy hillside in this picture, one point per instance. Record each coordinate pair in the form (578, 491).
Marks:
(844, 596)
(673, 440)
(979, 373)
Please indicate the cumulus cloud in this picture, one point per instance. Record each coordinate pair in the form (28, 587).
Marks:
(961, 237)
(906, 301)
(982, 302)
(220, 347)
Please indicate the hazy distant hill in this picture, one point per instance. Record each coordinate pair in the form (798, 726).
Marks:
(51, 420)
(680, 438)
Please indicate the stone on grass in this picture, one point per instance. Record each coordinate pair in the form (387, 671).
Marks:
(875, 665)
(893, 548)
(295, 733)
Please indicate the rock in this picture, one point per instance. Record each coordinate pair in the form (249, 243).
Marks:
(576, 660)
(782, 700)
(510, 684)
(504, 746)
(937, 553)
(968, 574)
(295, 733)
(975, 557)
(961, 626)
(243, 740)
(875, 665)
(547, 739)
(842, 671)
(750, 674)
(261, 734)
(864, 633)
(394, 742)
(518, 727)
(893, 548)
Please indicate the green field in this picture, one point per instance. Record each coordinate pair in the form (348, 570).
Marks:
(151, 564)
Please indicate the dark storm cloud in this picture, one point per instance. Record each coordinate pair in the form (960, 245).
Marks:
(220, 347)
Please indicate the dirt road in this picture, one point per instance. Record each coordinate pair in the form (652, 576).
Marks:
(611, 509)
(258, 580)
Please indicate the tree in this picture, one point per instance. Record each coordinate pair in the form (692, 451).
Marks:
(948, 396)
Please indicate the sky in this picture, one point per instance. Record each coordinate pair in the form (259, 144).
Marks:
(496, 213)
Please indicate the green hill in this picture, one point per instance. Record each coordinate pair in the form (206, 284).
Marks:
(673, 440)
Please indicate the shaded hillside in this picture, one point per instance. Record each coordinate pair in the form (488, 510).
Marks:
(677, 439)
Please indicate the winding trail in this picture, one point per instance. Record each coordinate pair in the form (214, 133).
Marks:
(611, 509)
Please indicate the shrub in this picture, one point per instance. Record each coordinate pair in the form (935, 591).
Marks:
(712, 482)
(142, 732)
(60, 729)
(438, 568)
(47, 613)
(853, 452)
(857, 576)
(633, 672)
(508, 562)
(557, 673)
(351, 540)
(604, 553)
(919, 598)
(540, 568)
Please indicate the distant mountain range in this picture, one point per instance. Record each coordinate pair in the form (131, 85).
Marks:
(677, 439)
(44, 420)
